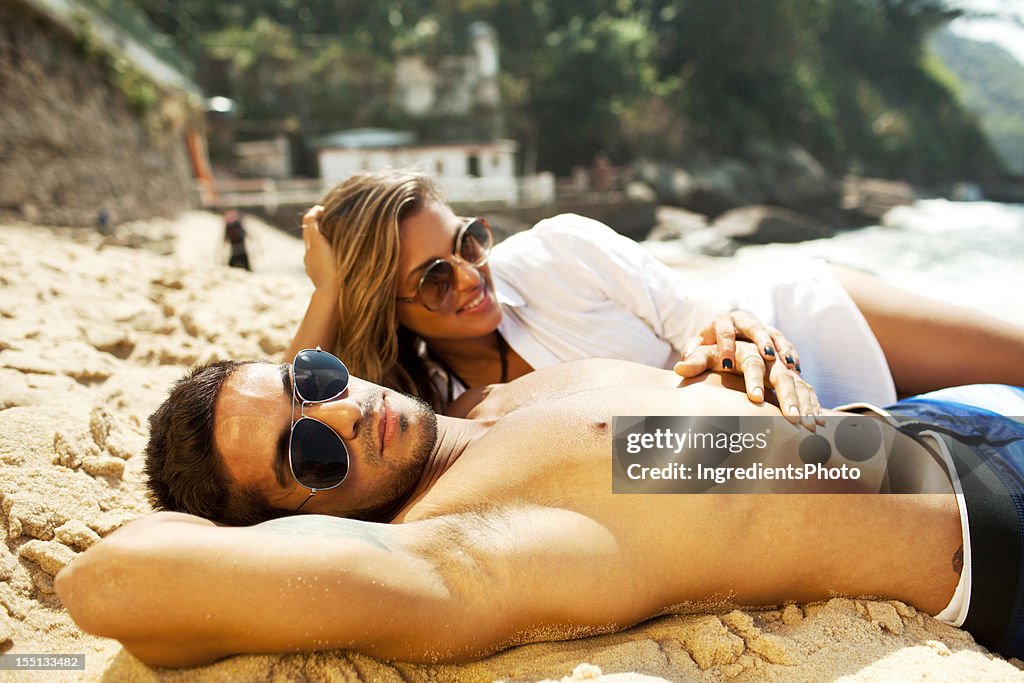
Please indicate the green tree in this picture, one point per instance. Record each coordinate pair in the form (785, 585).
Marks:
(849, 80)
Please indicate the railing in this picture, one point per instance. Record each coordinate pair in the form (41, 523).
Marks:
(270, 193)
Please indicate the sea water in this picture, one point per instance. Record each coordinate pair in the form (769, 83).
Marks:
(968, 253)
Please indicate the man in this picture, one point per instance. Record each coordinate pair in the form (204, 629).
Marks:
(504, 530)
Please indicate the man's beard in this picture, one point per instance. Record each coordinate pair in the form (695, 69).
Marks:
(407, 474)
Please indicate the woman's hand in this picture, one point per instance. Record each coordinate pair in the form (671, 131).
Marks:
(321, 264)
(796, 398)
(725, 328)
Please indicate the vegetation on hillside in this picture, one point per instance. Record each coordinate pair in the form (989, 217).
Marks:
(849, 80)
(989, 81)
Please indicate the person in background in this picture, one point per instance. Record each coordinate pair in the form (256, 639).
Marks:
(234, 236)
(103, 222)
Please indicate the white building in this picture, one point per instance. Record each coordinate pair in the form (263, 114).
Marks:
(466, 171)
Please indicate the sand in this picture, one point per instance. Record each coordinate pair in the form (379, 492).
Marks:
(91, 335)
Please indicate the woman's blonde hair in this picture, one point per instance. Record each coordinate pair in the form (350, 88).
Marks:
(361, 218)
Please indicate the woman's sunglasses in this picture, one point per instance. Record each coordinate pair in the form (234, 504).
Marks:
(436, 288)
(316, 454)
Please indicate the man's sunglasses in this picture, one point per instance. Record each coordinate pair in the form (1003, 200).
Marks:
(436, 288)
(316, 454)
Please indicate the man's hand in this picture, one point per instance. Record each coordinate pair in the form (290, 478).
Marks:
(796, 398)
(321, 264)
(723, 331)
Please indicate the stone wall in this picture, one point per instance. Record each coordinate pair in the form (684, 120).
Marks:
(71, 140)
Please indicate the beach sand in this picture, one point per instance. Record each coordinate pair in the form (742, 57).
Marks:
(91, 336)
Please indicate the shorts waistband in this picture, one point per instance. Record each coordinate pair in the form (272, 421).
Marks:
(987, 453)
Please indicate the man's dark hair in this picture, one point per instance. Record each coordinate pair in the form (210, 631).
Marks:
(185, 469)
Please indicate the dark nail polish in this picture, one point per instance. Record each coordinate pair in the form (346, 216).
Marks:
(789, 360)
(727, 364)
(798, 367)
(769, 351)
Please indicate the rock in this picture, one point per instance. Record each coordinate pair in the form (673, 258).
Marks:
(795, 179)
(765, 224)
(782, 175)
(709, 188)
(674, 222)
(966, 192)
(707, 242)
(1007, 191)
(874, 197)
(641, 192)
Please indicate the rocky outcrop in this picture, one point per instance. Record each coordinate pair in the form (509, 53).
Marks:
(795, 179)
(72, 143)
(703, 187)
(766, 224)
(674, 223)
(786, 176)
(874, 197)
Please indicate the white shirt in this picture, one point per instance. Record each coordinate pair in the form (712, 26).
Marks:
(571, 287)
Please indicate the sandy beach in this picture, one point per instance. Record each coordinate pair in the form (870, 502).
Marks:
(92, 333)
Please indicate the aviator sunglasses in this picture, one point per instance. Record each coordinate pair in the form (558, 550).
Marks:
(316, 454)
(436, 288)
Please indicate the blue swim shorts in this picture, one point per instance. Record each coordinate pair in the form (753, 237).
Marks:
(987, 449)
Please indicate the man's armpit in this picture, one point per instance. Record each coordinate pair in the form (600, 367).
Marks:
(496, 542)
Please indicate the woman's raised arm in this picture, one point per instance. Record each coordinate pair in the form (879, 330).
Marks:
(319, 326)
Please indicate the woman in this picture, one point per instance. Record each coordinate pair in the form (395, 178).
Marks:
(404, 292)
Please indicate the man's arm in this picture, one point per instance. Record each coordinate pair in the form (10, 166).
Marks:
(177, 590)
(180, 591)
